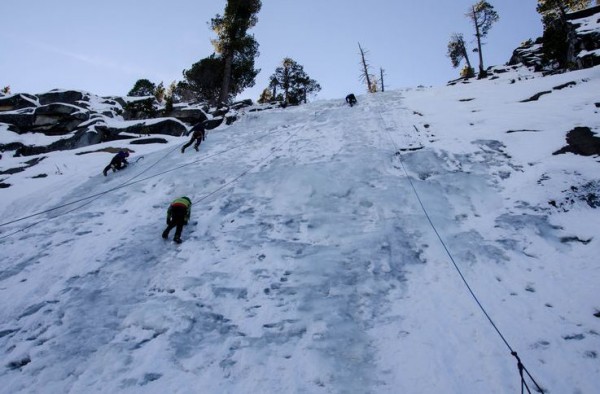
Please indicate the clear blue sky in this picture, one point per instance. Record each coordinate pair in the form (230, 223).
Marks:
(105, 46)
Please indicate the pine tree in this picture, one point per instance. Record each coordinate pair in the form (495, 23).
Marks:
(204, 78)
(141, 88)
(233, 41)
(294, 81)
(457, 52)
(483, 16)
(273, 83)
(183, 93)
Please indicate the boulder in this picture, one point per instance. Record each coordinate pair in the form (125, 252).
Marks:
(167, 126)
(22, 120)
(80, 139)
(62, 96)
(58, 118)
(188, 115)
(80, 121)
(89, 137)
(213, 123)
(229, 120)
(587, 47)
(18, 101)
(145, 141)
(530, 54)
(221, 111)
(242, 104)
(584, 37)
(62, 110)
(12, 146)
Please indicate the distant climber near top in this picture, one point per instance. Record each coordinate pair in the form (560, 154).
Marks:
(351, 99)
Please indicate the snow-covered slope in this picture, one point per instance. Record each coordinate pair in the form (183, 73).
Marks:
(309, 265)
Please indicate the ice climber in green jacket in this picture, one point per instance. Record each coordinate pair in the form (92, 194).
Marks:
(178, 215)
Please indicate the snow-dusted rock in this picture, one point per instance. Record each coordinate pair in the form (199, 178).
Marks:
(585, 40)
(62, 96)
(58, 118)
(20, 120)
(188, 115)
(18, 101)
(167, 126)
(529, 54)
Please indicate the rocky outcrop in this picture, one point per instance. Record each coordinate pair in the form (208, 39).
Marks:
(584, 39)
(18, 101)
(583, 44)
(78, 119)
(58, 118)
(71, 114)
(530, 54)
(166, 126)
(190, 116)
(144, 141)
(213, 123)
(21, 120)
(62, 96)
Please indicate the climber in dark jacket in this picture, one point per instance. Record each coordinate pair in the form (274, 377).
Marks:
(178, 216)
(118, 162)
(351, 99)
(198, 135)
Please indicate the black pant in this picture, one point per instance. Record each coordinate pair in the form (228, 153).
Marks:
(177, 219)
(115, 163)
(198, 141)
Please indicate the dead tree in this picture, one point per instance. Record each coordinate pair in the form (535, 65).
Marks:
(365, 76)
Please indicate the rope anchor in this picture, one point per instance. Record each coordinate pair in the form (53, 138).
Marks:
(522, 368)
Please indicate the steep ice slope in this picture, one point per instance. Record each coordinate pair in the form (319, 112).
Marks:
(310, 266)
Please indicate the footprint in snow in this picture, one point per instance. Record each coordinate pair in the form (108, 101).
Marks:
(542, 344)
(150, 377)
(574, 337)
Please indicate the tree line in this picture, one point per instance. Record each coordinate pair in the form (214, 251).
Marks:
(230, 69)
(482, 16)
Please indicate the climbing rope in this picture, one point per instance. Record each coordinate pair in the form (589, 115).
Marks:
(127, 183)
(520, 365)
(247, 170)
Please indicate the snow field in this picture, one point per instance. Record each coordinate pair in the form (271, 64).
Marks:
(309, 265)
